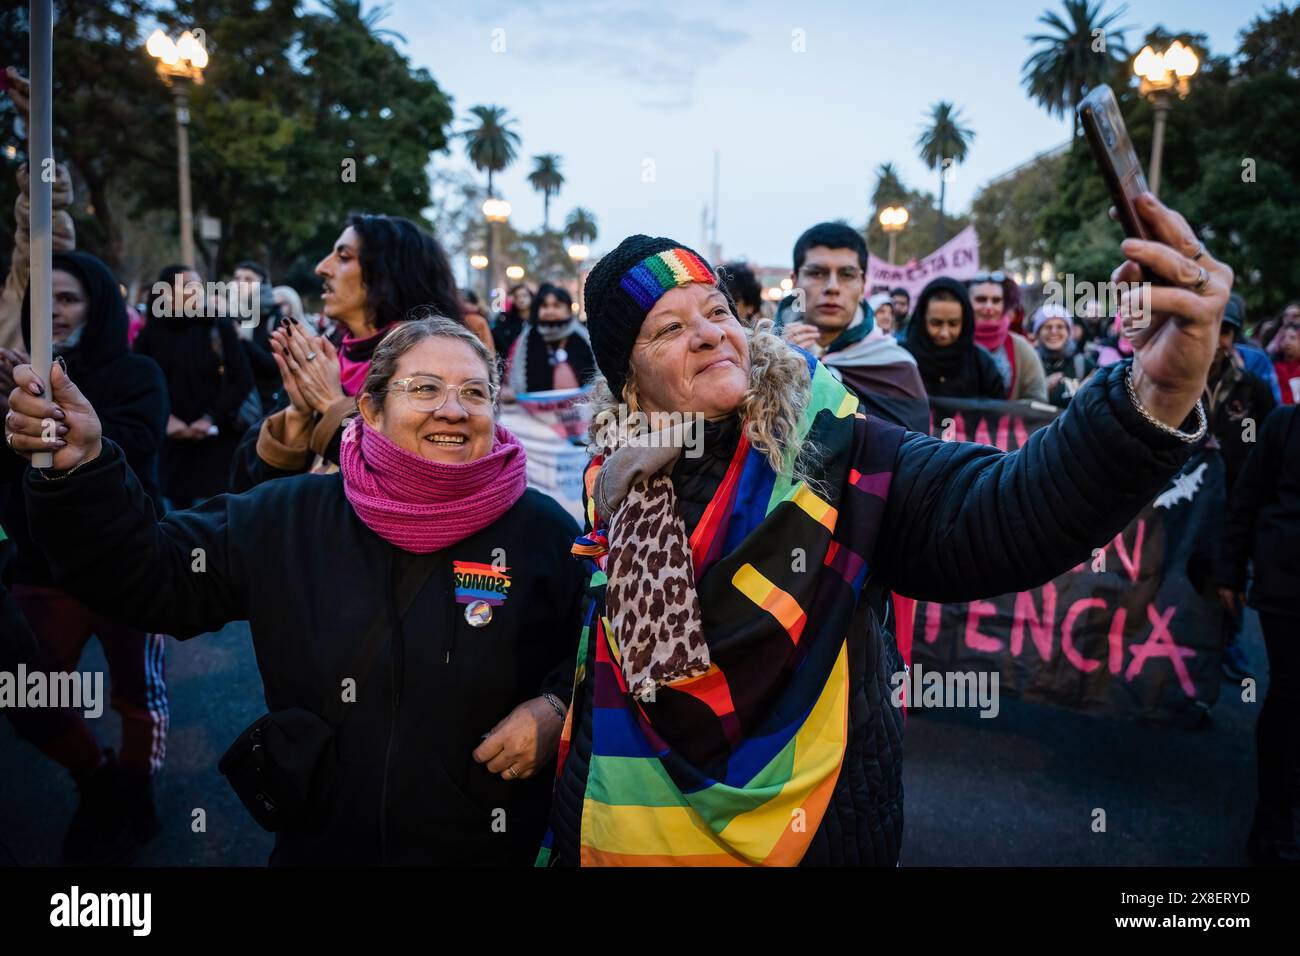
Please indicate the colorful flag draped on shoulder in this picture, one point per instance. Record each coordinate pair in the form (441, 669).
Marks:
(737, 766)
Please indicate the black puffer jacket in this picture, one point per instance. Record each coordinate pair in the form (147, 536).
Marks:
(962, 521)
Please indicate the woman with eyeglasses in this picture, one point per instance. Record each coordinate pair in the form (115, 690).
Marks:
(442, 755)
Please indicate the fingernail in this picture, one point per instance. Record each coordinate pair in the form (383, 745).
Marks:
(35, 388)
(57, 414)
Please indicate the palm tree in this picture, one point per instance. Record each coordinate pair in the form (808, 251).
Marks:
(889, 187)
(491, 144)
(580, 226)
(944, 141)
(1082, 52)
(547, 179)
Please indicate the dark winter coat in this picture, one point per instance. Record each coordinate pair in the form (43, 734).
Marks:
(962, 521)
(293, 558)
(1263, 522)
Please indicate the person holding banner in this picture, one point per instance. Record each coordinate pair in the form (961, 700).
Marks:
(553, 352)
(429, 587)
(942, 338)
(732, 701)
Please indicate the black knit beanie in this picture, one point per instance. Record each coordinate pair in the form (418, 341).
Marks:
(623, 288)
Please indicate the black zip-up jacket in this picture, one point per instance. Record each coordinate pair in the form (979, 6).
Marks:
(293, 558)
(962, 521)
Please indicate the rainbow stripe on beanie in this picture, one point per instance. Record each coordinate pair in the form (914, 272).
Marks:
(650, 278)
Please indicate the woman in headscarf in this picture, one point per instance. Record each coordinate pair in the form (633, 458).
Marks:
(115, 812)
(1064, 364)
(941, 337)
(733, 703)
(382, 271)
(431, 588)
(208, 384)
(553, 352)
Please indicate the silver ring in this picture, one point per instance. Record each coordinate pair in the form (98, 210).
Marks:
(311, 356)
(514, 774)
(1199, 253)
(1202, 280)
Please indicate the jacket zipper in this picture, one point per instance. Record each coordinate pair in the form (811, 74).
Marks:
(396, 696)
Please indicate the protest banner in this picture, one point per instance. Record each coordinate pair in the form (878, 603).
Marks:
(958, 258)
(552, 427)
(1133, 629)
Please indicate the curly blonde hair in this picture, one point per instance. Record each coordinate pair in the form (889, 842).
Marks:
(779, 386)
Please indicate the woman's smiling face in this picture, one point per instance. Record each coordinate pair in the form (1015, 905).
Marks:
(691, 354)
(452, 434)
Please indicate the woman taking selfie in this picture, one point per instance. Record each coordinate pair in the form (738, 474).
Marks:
(425, 644)
(733, 706)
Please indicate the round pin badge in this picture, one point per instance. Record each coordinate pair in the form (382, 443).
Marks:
(478, 613)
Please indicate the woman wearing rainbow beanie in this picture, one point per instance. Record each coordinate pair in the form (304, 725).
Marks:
(732, 698)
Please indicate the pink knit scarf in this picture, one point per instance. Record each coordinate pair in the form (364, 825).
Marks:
(992, 335)
(420, 505)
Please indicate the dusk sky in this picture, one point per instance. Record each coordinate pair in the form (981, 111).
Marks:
(612, 85)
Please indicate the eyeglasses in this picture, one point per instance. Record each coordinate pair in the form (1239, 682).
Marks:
(425, 393)
(821, 274)
(998, 277)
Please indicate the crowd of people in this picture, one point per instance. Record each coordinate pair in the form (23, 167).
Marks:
(622, 691)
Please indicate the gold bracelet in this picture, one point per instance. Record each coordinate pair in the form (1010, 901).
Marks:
(1191, 439)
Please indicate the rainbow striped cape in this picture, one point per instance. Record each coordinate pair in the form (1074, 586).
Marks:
(736, 767)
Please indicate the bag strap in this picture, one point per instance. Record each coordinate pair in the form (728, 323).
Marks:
(413, 577)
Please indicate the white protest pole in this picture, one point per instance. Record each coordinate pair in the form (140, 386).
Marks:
(40, 168)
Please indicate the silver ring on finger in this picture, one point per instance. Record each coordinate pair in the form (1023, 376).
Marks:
(1200, 251)
(1202, 280)
(311, 356)
(514, 774)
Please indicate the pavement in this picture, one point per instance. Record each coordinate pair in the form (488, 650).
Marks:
(1023, 789)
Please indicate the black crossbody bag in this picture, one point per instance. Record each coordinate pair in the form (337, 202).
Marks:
(282, 763)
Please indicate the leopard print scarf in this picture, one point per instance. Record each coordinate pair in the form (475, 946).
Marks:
(650, 599)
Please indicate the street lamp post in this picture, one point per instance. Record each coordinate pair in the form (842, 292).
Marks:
(1163, 74)
(181, 63)
(893, 219)
(494, 211)
(578, 252)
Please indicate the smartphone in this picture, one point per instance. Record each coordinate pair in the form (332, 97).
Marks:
(1113, 150)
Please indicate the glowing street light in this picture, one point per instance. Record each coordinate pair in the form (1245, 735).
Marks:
(579, 253)
(494, 211)
(478, 261)
(893, 219)
(1162, 74)
(514, 273)
(181, 63)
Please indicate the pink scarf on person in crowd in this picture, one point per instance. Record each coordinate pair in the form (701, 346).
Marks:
(423, 506)
(352, 371)
(992, 335)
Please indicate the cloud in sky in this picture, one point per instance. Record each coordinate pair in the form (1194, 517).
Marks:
(654, 49)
